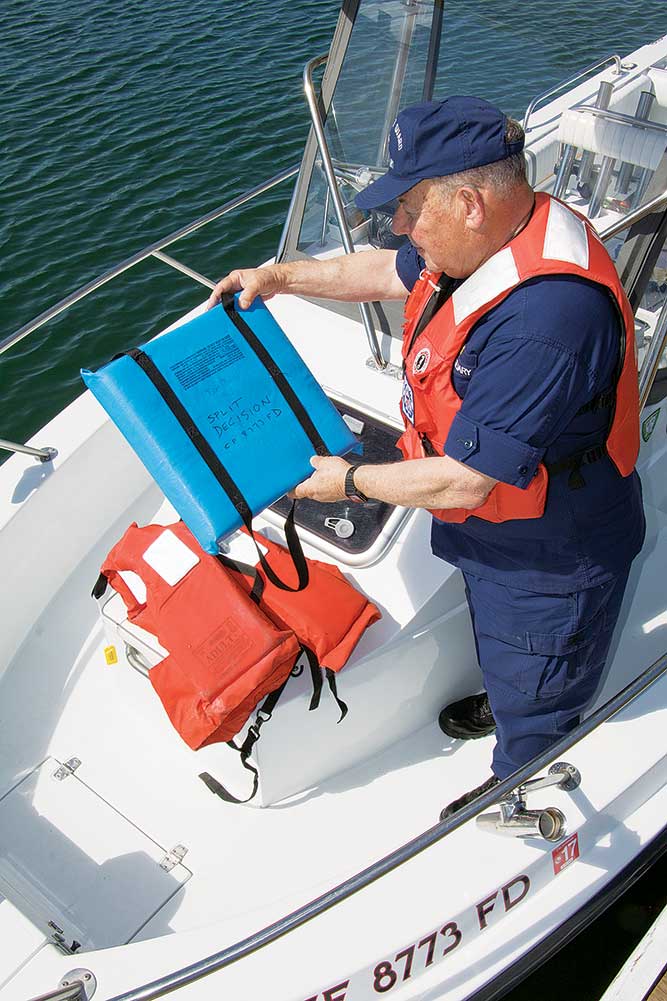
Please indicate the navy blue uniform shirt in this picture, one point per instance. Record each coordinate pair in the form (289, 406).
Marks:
(525, 370)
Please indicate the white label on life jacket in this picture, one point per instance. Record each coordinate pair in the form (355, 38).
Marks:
(242, 548)
(170, 558)
(135, 584)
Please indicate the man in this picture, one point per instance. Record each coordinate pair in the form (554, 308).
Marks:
(520, 406)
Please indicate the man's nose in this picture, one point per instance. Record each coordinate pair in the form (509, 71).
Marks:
(399, 221)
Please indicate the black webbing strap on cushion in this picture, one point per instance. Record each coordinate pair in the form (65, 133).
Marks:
(278, 377)
(221, 474)
(247, 570)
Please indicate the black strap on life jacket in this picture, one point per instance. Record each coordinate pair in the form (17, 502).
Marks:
(446, 286)
(213, 462)
(573, 464)
(316, 676)
(264, 714)
(256, 593)
(427, 445)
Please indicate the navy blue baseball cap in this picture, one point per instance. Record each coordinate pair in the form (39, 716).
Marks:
(437, 138)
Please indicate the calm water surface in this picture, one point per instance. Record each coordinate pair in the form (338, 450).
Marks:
(122, 121)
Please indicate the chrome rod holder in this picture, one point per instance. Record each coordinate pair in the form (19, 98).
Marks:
(601, 187)
(564, 171)
(627, 169)
(605, 91)
(514, 820)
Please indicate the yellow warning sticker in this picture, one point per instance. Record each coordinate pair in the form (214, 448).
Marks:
(110, 655)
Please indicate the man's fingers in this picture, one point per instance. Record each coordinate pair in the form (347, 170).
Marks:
(230, 283)
(250, 291)
(250, 283)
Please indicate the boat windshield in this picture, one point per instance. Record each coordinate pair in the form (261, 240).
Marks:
(389, 63)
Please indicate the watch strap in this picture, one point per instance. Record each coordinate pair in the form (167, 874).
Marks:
(351, 490)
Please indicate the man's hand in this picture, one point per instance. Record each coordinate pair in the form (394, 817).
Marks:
(327, 482)
(252, 281)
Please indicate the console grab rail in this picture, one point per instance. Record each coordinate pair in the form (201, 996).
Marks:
(332, 187)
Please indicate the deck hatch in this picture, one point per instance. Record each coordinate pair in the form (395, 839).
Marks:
(77, 868)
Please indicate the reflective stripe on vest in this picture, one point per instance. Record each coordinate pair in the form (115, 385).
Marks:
(556, 241)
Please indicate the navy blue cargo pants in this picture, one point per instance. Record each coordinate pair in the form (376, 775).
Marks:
(542, 658)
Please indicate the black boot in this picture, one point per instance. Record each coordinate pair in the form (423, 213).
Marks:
(468, 797)
(468, 719)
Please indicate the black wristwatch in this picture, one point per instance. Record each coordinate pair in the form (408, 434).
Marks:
(352, 492)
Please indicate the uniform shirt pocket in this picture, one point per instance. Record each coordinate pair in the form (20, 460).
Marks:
(463, 369)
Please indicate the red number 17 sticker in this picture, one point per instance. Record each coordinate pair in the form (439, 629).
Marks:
(566, 853)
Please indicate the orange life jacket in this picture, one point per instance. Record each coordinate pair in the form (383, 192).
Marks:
(329, 615)
(226, 651)
(225, 654)
(556, 241)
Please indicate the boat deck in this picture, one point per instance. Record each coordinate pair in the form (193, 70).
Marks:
(248, 865)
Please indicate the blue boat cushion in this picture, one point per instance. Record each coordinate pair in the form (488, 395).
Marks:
(246, 415)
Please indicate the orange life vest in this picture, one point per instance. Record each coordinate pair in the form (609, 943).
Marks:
(226, 651)
(329, 615)
(556, 241)
(225, 654)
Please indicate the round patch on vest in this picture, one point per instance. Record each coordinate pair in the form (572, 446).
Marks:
(420, 364)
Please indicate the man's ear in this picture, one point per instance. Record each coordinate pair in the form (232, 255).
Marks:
(471, 206)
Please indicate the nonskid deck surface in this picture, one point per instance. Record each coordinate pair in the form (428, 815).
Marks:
(61, 702)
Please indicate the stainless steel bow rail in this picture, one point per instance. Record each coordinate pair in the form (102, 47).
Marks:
(513, 787)
(153, 250)
(77, 985)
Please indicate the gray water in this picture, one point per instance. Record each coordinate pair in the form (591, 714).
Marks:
(121, 121)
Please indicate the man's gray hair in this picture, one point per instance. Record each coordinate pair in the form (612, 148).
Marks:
(504, 176)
